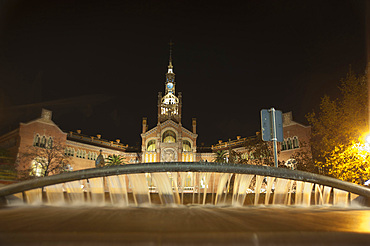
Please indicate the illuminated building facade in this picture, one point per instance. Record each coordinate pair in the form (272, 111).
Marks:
(168, 141)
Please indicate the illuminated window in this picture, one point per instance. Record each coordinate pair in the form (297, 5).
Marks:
(186, 146)
(169, 137)
(151, 145)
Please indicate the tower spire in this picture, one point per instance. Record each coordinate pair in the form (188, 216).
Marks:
(170, 67)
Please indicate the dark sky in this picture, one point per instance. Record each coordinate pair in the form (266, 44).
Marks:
(100, 64)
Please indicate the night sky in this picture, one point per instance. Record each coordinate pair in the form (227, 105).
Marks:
(99, 65)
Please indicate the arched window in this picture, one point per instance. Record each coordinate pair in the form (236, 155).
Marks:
(78, 153)
(169, 137)
(43, 142)
(289, 142)
(295, 142)
(36, 140)
(186, 146)
(50, 143)
(283, 145)
(151, 145)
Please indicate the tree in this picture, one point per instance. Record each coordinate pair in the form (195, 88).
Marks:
(303, 159)
(338, 127)
(258, 152)
(114, 160)
(221, 156)
(350, 163)
(38, 161)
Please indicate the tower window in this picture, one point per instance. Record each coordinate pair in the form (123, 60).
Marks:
(151, 145)
(186, 146)
(169, 137)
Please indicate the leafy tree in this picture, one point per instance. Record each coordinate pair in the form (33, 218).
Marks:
(303, 158)
(338, 127)
(221, 156)
(258, 152)
(350, 163)
(38, 161)
(114, 160)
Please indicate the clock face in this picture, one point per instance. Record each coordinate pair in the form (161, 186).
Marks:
(169, 85)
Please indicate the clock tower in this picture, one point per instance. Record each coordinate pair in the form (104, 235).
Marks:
(169, 141)
(169, 106)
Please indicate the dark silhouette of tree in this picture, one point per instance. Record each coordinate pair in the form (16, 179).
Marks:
(38, 161)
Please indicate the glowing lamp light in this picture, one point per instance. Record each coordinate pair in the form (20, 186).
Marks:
(367, 139)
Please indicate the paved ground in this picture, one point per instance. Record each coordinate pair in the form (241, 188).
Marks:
(183, 226)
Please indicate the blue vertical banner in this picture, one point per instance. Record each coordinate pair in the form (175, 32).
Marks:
(266, 125)
(279, 125)
(272, 128)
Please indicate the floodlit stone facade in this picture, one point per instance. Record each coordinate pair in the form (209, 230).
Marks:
(168, 141)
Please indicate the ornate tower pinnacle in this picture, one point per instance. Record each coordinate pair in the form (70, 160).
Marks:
(170, 67)
(170, 76)
(169, 106)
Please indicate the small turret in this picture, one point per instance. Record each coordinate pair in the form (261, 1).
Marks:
(145, 124)
(194, 123)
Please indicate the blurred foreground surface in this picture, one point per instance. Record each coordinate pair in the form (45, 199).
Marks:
(186, 225)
